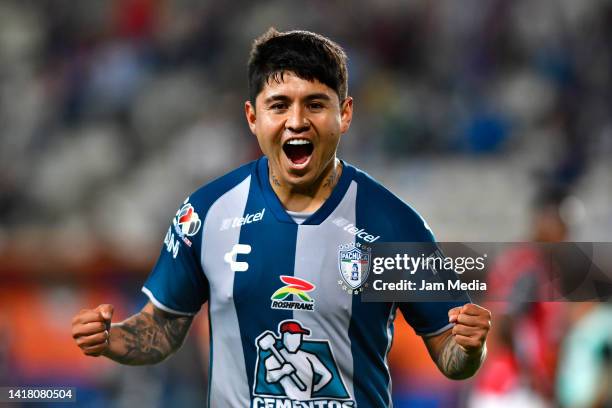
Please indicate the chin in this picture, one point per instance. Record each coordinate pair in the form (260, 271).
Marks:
(300, 180)
(299, 176)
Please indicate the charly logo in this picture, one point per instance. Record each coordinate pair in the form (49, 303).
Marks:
(290, 368)
(354, 264)
(230, 257)
(298, 289)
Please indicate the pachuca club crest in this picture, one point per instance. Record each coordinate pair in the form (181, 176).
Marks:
(354, 263)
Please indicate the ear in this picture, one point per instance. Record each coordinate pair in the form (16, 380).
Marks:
(251, 117)
(346, 114)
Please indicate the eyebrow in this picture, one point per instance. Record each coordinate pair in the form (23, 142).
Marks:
(285, 98)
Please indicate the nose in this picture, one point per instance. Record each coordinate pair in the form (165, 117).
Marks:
(297, 122)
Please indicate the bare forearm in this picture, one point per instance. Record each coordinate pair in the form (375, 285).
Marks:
(146, 338)
(455, 363)
(459, 351)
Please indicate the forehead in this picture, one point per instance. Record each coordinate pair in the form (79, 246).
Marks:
(290, 85)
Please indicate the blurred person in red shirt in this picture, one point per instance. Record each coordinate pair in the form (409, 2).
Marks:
(525, 344)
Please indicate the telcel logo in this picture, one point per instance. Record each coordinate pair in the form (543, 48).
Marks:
(236, 222)
(230, 257)
(353, 230)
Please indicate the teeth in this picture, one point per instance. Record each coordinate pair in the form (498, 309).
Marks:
(298, 142)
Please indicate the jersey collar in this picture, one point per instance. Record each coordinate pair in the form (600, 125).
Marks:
(318, 216)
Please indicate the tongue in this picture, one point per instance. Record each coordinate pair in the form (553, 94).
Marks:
(298, 154)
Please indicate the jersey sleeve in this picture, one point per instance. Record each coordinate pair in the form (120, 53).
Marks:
(429, 318)
(177, 283)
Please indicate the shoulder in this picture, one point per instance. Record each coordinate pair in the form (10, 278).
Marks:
(192, 213)
(205, 196)
(382, 207)
(378, 194)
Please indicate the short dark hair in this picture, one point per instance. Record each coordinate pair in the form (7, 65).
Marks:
(308, 55)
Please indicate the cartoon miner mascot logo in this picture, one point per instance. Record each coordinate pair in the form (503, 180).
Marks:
(290, 367)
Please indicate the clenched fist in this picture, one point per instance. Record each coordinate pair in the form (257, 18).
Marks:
(472, 324)
(90, 329)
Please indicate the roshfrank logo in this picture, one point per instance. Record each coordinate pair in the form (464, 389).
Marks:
(230, 257)
(354, 264)
(290, 369)
(298, 289)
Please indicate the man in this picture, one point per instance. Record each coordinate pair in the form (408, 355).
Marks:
(294, 367)
(529, 332)
(355, 272)
(287, 214)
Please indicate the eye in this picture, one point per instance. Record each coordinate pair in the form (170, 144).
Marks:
(278, 106)
(315, 105)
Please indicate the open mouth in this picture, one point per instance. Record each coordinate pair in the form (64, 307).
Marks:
(298, 150)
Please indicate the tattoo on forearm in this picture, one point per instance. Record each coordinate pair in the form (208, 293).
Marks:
(147, 338)
(457, 364)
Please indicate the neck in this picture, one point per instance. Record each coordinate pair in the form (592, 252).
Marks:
(312, 197)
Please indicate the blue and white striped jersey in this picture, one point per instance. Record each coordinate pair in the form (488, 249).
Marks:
(286, 327)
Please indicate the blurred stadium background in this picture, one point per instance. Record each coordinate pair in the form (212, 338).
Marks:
(112, 111)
